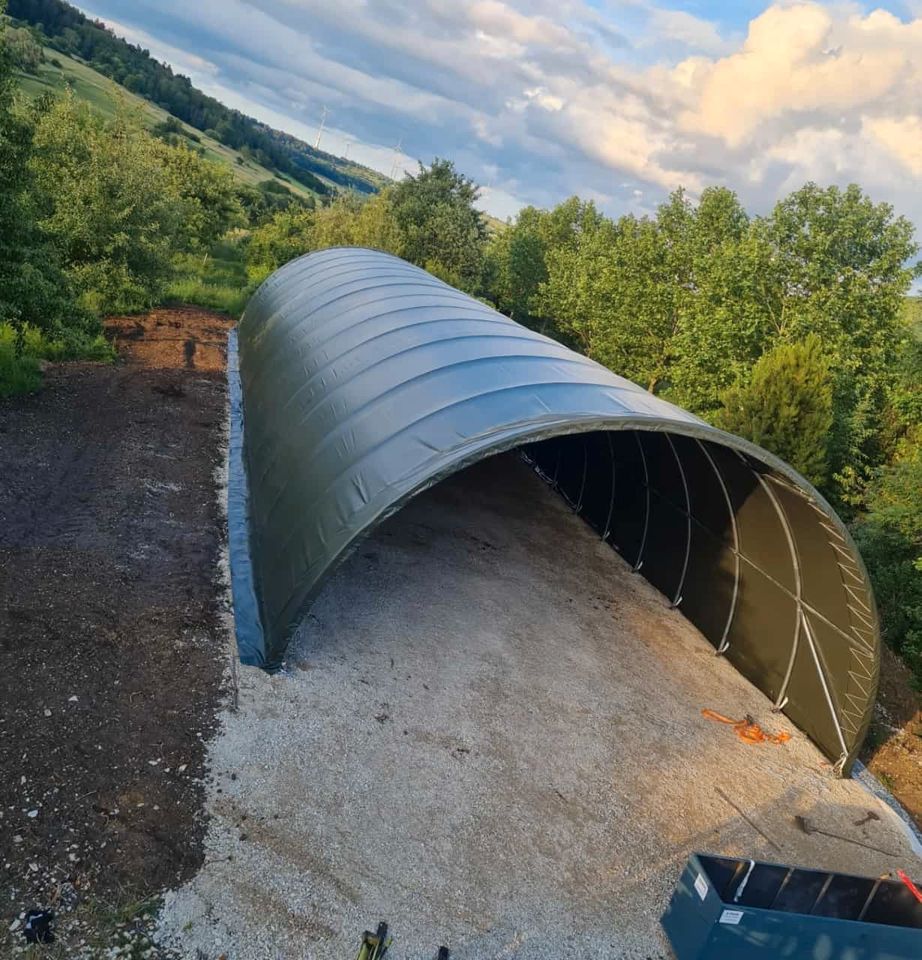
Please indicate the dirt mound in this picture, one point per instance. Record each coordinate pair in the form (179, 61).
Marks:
(177, 338)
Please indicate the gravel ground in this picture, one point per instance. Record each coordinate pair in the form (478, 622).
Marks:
(489, 733)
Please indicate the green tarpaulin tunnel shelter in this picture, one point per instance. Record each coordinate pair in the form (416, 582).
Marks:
(367, 380)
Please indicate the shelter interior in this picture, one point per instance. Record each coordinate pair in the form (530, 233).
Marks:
(744, 555)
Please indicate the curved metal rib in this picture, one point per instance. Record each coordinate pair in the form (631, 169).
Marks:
(801, 620)
(724, 643)
(817, 660)
(638, 563)
(611, 502)
(677, 599)
(582, 487)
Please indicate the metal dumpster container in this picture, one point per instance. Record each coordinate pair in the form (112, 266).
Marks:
(731, 909)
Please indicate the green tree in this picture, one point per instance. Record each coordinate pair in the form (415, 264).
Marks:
(25, 52)
(610, 291)
(902, 415)
(15, 149)
(841, 269)
(671, 302)
(32, 286)
(786, 406)
(108, 205)
(286, 235)
(718, 265)
(349, 221)
(439, 225)
(208, 192)
(516, 258)
(573, 237)
(890, 538)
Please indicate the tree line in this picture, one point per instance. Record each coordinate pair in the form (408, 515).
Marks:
(65, 28)
(789, 329)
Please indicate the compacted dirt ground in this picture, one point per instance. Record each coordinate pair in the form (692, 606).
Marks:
(112, 642)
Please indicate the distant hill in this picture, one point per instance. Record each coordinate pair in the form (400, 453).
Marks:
(60, 72)
(90, 44)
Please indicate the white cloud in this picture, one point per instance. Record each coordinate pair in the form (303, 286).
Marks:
(798, 59)
(543, 98)
(687, 29)
(901, 136)
(499, 20)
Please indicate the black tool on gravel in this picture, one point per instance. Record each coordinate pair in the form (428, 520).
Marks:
(442, 954)
(38, 926)
(805, 826)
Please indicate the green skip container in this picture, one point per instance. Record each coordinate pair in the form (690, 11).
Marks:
(729, 909)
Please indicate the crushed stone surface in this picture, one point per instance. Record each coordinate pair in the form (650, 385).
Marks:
(489, 734)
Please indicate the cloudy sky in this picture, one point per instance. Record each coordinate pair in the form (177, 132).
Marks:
(618, 100)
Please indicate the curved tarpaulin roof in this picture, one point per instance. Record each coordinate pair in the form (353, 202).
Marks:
(367, 380)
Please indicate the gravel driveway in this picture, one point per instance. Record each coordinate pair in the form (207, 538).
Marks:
(489, 733)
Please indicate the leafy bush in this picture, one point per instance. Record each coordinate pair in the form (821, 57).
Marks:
(173, 132)
(269, 197)
(106, 204)
(19, 373)
(217, 281)
(27, 54)
(786, 406)
(429, 219)
(34, 343)
(23, 348)
(206, 193)
(890, 538)
(286, 236)
(116, 204)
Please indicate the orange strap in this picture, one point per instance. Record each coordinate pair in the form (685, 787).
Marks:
(719, 717)
(916, 892)
(746, 729)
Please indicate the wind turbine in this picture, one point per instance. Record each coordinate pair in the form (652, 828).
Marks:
(396, 162)
(323, 120)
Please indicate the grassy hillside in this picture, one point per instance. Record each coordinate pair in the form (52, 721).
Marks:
(61, 26)
(59, 72)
